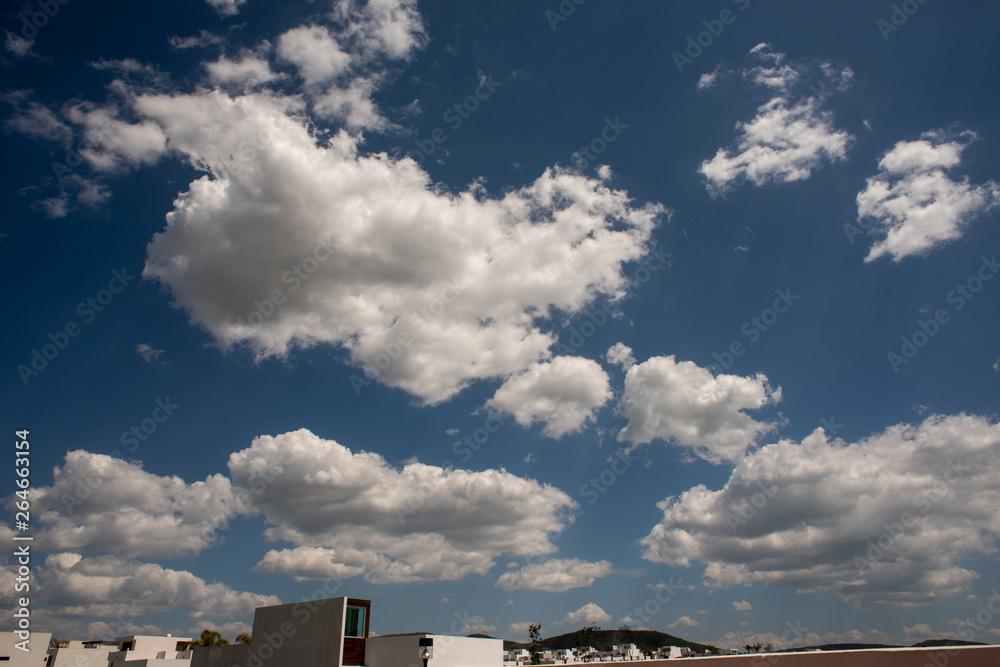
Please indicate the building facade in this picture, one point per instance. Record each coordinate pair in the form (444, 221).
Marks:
(313, 633)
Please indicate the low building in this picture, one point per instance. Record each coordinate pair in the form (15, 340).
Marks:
(312, 633)
(36, 655)
(80, 654)
(446, 651)
(150, 651)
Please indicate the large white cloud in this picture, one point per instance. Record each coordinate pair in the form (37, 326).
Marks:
(100, 504)
(790, 136)
(555, 575)
(563, 394)
(913, 201)
(351, 513)
(684, 403)
(428, 290)
(884, 522)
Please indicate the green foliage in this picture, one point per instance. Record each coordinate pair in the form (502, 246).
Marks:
(244, 638)
(210, 638)
(535, 649)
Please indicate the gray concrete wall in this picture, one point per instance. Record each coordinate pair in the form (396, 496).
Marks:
(301, 634)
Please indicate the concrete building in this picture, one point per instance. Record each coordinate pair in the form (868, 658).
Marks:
(313, 633)
(35, 656)
(150, 651)
(335, 633)
(447, 651)
(80, 654)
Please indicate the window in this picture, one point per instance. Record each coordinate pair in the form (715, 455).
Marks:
(354, 624)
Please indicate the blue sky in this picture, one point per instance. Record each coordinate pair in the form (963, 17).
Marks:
(681, 316)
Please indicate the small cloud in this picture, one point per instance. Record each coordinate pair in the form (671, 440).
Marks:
(700, 611)
(742, 606)
(148, 352)
(709, 79)
(452, 432)
(530, 458)
(201, 40)
(684, 622)
(621, 355)
(19, 46)
(604, 172)
(508, 603)
(741, 248)
(996, 365)
(588, 614)
(444, 601)
(868, 125)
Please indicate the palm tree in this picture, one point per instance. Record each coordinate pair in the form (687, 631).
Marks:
(210, 638)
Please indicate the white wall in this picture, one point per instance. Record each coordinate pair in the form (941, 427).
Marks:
(404, 651)
(81, 657)
(35, 656)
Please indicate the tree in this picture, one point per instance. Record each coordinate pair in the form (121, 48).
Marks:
(625, 633)
(210, 638)
(243, 638)
(753, 648)
(535, 649)
(586, 635)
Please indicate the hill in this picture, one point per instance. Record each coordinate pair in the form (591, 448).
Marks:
(645, 640)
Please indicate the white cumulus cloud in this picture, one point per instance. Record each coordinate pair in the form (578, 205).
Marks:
(681, 402)
(555, 575)
(349, 513)
(563, 393)
(790, 136)
(913, 201)
(100, 504)
(889, 521)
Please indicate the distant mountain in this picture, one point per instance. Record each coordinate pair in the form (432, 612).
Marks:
(861, 647)
(645, 640)
(947, 642)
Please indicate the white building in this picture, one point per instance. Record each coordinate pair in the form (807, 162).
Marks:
(517, 656)
(669, 652)
(35, 656)
(150, 651)
(446, 651)
(626, 652)
(80, 654)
